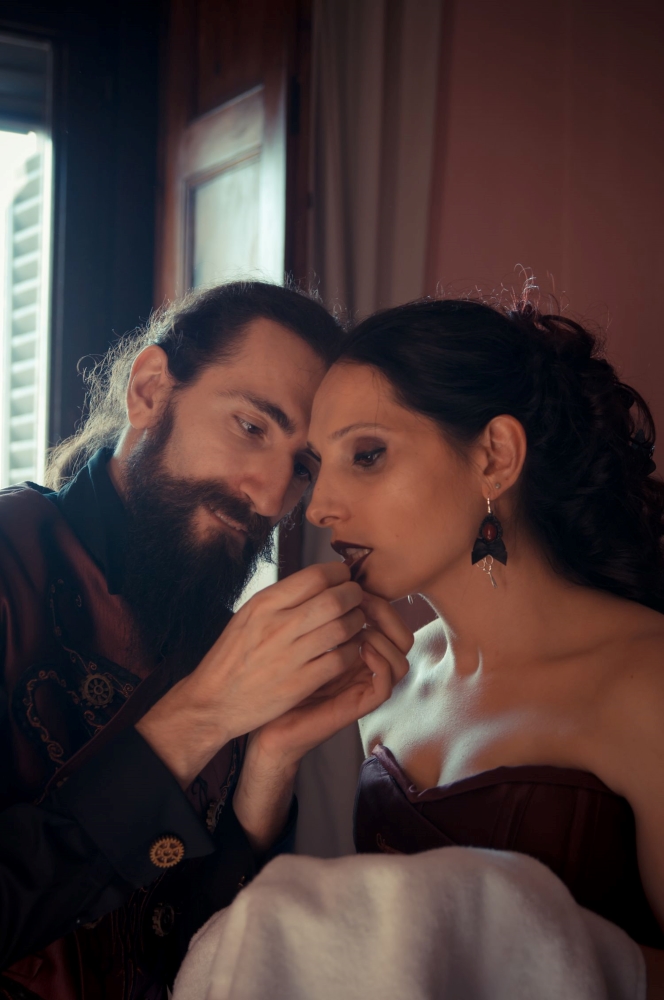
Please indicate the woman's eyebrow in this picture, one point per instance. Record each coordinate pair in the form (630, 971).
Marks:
(356, 427)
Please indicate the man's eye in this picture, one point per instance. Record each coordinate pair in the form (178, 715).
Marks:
(368, 458)
(300, 471)
(250, 428)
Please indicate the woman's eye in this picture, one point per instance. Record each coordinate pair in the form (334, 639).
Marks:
(368, 458)
(300, 471)
(250, 428)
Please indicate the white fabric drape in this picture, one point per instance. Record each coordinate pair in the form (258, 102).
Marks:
(374, 81)
(450, 924)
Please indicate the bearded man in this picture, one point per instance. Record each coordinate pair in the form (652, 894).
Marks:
(134, 804)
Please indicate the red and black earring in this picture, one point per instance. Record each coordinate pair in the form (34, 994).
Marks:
(489, 544)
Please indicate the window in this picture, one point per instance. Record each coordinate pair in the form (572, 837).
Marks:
(25, 257)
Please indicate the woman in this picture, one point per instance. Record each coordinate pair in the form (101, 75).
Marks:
(492, 461)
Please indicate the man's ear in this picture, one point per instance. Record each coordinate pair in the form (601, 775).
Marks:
(150, 384)
(503, 449)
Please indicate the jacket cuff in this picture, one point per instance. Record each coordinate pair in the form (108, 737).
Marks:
(130, 805)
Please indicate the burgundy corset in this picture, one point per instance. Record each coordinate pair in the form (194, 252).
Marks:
(567, 819)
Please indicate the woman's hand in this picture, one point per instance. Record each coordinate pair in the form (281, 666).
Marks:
(265, 788)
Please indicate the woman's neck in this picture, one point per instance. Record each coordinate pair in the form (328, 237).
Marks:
(533, 612)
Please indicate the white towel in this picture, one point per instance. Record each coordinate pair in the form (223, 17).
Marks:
(451, 924)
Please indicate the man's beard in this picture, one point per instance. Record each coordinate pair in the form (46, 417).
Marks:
(181, 587)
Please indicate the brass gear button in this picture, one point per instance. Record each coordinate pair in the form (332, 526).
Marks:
(166, 851)
(97, 690)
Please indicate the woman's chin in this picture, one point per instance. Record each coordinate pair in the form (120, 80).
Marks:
(379, 588)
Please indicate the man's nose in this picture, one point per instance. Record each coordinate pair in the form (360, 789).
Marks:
(268, 489)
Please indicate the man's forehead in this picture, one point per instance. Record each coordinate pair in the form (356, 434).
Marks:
(265, 349)
(272, 369)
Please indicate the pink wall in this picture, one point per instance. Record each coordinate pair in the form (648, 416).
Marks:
(551, 155)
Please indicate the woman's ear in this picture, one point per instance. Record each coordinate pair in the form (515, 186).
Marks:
(503, 449)
(150, 384)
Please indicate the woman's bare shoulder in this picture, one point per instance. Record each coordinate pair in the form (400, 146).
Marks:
(632, 700)
(636, 649)
(632, 716)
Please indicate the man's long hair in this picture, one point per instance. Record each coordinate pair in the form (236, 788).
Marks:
(195, 332)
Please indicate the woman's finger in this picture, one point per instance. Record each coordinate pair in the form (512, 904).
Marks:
(381, 615)
(382, 645)
(381, 688)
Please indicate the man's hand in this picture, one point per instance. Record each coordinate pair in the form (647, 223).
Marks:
(379, 664)
(265, 788)
(284, 644)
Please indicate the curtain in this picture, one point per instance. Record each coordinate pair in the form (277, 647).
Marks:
(375, 71)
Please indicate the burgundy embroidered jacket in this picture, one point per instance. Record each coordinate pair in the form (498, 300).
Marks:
(84, 911)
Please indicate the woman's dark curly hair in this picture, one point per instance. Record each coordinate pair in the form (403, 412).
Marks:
(586, 490)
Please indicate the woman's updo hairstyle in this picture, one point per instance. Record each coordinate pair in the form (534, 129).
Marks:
(586, 491)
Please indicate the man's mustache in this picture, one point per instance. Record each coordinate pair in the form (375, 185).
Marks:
(184, 496)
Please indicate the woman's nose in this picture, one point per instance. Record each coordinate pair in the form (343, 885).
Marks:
(322, 510)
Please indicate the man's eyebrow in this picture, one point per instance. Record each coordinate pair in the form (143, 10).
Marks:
(356, 427)
(270, 409)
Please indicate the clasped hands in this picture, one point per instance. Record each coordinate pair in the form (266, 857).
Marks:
(300, 660)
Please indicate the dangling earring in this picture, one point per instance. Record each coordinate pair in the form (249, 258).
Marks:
(489, 544)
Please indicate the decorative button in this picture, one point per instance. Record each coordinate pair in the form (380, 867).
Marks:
(166, 851)
(163, 919)
(97, 690)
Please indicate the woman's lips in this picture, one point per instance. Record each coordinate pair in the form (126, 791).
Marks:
(353, 555)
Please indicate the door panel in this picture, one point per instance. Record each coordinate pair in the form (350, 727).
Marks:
(223, 163)
(225, 204)
(228, 207)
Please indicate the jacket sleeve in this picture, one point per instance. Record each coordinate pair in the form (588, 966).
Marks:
(86, 847)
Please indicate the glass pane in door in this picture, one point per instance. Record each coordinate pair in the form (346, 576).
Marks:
(226, 225)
